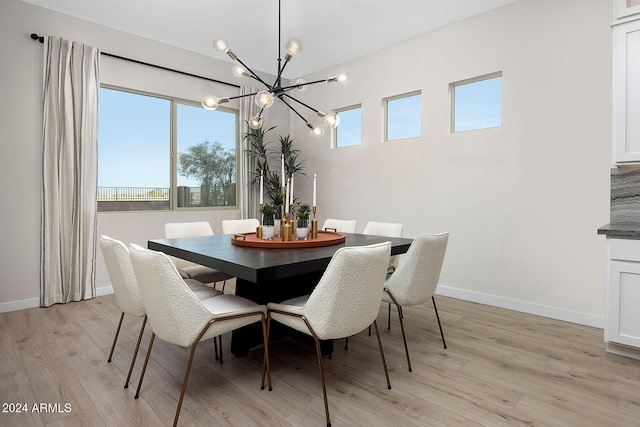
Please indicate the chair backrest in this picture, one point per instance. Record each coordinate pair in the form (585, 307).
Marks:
(173, 311)
(173, 230)
(387, 229)
(233, 226)
(416, 278)
(123, 278)
(340, 225)
(346, 300)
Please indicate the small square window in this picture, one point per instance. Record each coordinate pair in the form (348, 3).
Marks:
(403, 116)
(349, 132)
(477, 103)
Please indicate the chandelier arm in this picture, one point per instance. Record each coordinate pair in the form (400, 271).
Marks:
(294, 110)
(280, 72)
(253, 74)
(287, 88)
(300, 102)
(241, 96)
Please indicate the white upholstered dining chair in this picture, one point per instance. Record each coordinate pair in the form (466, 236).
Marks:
(239, 226)
(125, 288)
(387, 229)
(176, 316)
(344, 302)
(416, 278)
(174, 230)
(340, 225)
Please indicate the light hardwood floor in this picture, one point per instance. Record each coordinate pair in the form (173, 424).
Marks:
(501, 368)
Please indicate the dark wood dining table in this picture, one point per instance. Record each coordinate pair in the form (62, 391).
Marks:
(265, 274)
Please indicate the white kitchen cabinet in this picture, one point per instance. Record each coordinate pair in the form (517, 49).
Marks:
(626, 91)
(622, 321)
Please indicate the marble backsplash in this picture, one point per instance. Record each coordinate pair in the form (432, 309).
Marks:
(625, 196)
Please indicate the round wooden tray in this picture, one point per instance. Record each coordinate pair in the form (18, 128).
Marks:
(325, 238)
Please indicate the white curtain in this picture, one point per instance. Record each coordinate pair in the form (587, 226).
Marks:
(69, 172)
(249, 202)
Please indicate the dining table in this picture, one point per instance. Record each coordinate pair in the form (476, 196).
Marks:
(266, 274)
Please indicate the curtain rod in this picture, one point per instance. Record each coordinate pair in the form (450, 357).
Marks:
(34, 36)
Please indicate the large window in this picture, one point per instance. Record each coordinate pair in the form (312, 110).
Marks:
(136, 169)
(349, 132)
(477, 103)
(403, 116)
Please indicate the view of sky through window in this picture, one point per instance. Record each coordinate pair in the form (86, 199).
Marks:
(404, 117)
(349, 132)
(478, 104)
(134, 144)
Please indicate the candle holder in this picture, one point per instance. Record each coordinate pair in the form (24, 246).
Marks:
(259, 228)
(314, 225)
(286, 229)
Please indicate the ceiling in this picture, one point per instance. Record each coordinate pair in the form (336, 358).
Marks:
(332, 31)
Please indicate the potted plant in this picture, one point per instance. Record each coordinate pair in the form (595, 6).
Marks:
(267, 156)
(276, 198)
(268, 222)
(302, 227)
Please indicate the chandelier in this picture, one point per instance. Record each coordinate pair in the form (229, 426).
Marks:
(266, 97)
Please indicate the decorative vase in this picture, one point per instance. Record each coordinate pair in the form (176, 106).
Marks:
(268, 227)
(302, 229)
(278, 218)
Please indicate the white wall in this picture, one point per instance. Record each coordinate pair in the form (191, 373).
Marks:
(522, 202)
(20, 134)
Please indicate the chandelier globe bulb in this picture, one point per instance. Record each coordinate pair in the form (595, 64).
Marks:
(221, 44)
(211, 102)
(255, 122)
(264, 99)
(343, 77)
(294, 47)
(301, 85)
(332, 120)
(239, 71)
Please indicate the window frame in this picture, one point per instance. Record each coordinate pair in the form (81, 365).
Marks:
(334, 132)
(173, 150)
(452, 98)
(385, 121)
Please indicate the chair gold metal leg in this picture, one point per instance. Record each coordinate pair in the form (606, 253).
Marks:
(265, 362)
(324, 388)
(113, 346)
(135, 353)
(186, 380)
(384, 362)
(144, 367)
(438, 317)
(215, 348)
(346, 343)
(389, 318)
(404, 338)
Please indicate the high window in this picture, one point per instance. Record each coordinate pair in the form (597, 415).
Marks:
(157, 153)
(349, 132)
(403, 116)
(477, 103)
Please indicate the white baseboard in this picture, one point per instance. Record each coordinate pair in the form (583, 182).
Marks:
(509, 304)
(24, 304)
(524, 307)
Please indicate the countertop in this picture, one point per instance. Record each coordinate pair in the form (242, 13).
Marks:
(621, 231)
